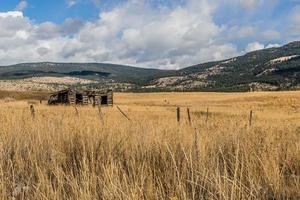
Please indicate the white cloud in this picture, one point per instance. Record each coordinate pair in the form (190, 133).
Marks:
(71, 3)
(271, 35)
(272, 46)
(295, 15)
(246, 31)
(11, 23)
(241, 32)
(11, 14)
(96, 2)
(293, 28)
(249, 3)
(132, 33)
(254, 46)
(21, 6)
(137, 34)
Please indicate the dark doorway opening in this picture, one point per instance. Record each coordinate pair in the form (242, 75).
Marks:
(79, 98)
(62, 98)
(104, 100)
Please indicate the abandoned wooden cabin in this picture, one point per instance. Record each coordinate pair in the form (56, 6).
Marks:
(74, 97)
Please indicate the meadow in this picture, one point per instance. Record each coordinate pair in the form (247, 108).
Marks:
(63, 152)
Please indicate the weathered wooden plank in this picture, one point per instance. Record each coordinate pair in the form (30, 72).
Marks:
(69, 96)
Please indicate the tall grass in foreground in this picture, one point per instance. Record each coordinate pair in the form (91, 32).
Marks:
(58, 155)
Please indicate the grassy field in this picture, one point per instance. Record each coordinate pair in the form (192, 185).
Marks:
(19, 95)
(64, 152)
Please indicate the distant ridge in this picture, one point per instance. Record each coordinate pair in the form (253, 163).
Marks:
(95, 71)
(267, 69)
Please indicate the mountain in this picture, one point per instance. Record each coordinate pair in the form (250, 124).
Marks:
(268, 69)
(93, 71)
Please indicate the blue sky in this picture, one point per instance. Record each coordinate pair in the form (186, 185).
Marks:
(58, 10)
(168, 34)
(53, 10)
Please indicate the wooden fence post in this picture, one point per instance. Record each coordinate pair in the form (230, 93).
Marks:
(189, 116)
(207, 115)
(32, 111)
(250, 118)
(178, 114)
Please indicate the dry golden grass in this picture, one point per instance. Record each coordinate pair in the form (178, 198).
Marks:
(59, 155)
(19, 95)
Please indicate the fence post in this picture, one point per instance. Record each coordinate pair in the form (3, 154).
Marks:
(250, 118)
(189, 116)
(32, 111)
(178, 114)
(207, 115)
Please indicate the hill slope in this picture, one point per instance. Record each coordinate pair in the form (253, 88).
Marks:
(94, 71)
(268, 69)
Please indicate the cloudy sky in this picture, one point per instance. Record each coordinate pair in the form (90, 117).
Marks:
(166, 34)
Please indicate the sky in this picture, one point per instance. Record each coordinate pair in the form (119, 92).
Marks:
(164, 34)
